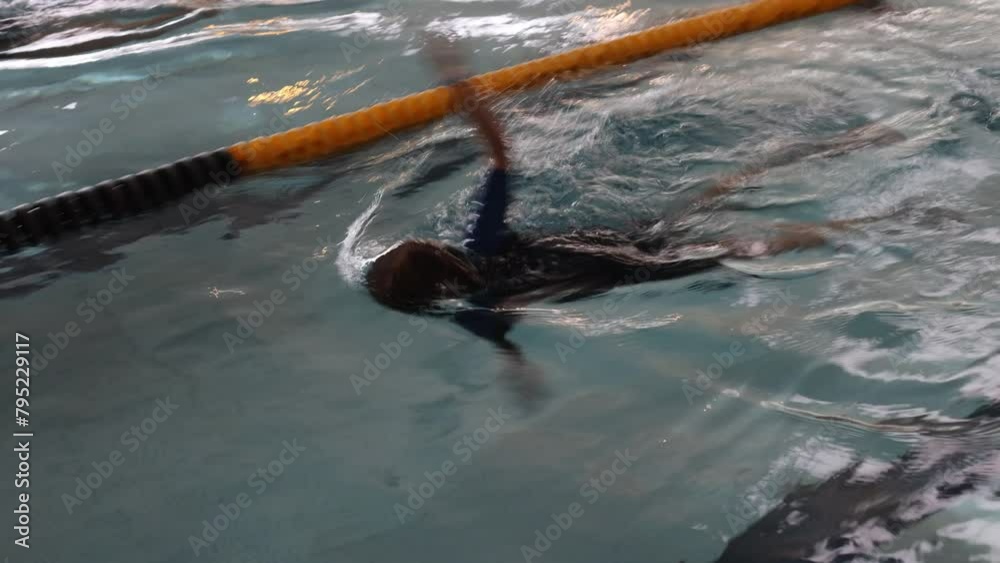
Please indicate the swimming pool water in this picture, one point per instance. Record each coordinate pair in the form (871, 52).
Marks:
(431, 457)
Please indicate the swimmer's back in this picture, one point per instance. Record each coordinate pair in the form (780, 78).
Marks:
(579, 264)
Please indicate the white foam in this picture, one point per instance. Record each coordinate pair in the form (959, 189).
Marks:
(355, 254)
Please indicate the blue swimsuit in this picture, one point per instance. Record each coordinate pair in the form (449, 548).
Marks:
(484, 238)
(486, 234)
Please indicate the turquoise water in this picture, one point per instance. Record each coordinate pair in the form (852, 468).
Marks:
(805, 354)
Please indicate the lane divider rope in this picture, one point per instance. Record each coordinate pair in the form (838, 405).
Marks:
(52, 217)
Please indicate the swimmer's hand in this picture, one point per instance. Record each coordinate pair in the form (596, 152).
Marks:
(453, 71)
(489, 127)
(524, 379)
(447, 60)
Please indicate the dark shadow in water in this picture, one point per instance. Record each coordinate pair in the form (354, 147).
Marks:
(96, 248)
(849, 516)
(460, 151)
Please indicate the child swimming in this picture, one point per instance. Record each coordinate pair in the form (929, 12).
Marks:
(498, 269)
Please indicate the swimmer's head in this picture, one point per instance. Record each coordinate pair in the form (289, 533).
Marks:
(416, 273)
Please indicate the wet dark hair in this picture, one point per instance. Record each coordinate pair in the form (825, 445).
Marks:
(413, 275)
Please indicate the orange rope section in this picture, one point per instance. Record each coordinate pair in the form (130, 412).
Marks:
(343, 132)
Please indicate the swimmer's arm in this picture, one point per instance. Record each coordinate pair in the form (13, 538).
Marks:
(485, 120)
(453, 70)
(487, 233)
(524, 379)
(874, 134)
(489, 325)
